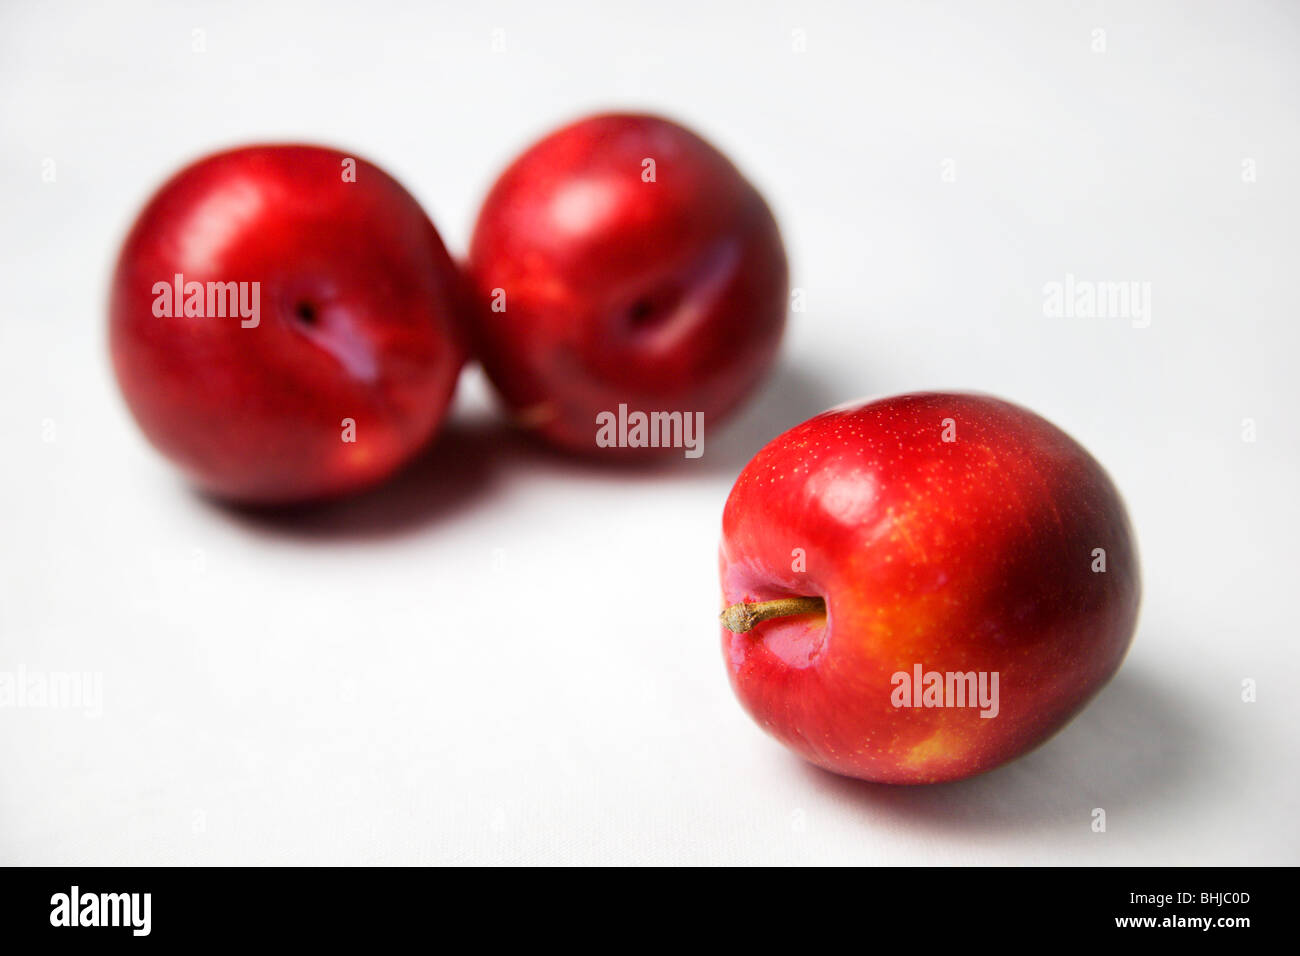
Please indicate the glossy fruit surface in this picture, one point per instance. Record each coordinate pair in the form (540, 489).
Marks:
(338, 362)
(624, 260)
(954, 532)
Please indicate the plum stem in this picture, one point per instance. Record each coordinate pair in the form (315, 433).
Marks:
(742, 617)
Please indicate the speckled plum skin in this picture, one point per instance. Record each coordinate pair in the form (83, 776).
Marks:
(975, 554)
(666, 295)
(358, 302)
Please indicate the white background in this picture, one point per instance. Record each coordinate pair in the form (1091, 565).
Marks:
(505, 656)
